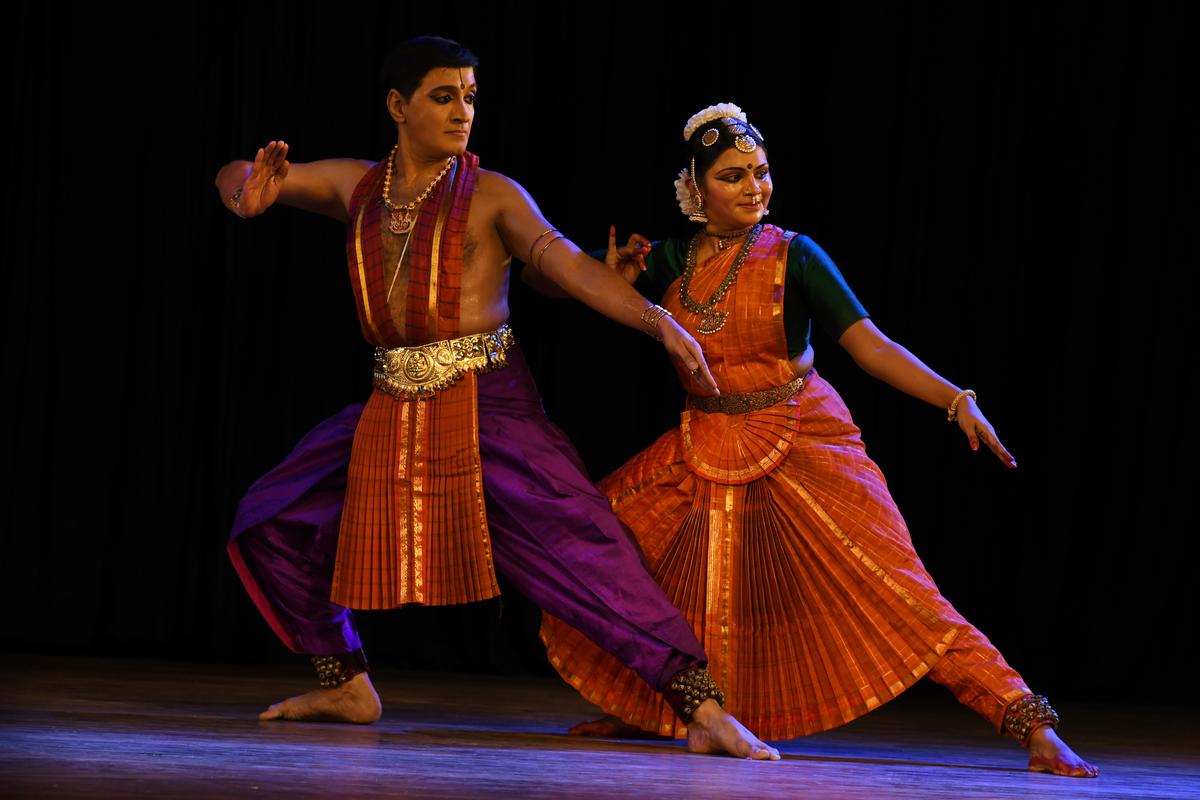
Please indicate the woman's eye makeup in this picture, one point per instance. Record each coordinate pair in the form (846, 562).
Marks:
(734, 177)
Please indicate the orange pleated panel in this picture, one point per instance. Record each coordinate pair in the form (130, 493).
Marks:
(414, 527)
(737, 448)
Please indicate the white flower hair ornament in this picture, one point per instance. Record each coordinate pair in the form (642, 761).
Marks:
(689, 201)
(719, 111)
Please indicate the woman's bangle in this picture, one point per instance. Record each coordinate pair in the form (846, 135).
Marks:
(952, 411)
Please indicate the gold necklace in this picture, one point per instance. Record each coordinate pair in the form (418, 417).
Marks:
(402, 218)
(712, 320)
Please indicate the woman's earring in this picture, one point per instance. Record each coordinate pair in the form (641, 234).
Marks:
(698, 204)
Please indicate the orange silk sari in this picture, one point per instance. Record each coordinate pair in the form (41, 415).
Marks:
(775, 535)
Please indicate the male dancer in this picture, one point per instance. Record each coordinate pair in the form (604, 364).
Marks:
(454, 471)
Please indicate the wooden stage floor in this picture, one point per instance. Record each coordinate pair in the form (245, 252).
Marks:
(84, 727)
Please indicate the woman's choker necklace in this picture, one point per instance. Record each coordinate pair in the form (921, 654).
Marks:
(725, 239)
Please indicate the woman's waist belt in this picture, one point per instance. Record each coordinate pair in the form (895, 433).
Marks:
(745, 402)
(419, 371)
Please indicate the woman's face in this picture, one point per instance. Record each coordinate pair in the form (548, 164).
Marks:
(737, 188)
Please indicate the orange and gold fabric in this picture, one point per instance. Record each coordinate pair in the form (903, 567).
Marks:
(414, 528)
(777, 538)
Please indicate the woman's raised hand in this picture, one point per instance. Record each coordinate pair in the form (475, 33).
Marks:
(628, 261)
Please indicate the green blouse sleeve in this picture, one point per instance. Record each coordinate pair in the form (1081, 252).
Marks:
(663, 265)
(815, 289)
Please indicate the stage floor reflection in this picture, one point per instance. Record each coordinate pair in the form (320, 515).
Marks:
(87, 727)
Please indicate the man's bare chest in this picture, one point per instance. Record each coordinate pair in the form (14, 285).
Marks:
(482, 252)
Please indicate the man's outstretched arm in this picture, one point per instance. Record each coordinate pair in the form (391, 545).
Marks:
(528, 236)
(248, 188)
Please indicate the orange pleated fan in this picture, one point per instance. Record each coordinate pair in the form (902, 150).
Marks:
(800, 584)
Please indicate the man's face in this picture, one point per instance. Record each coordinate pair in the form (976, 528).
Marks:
(439, 114)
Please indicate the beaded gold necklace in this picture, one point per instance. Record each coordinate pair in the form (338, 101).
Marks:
(402, 217)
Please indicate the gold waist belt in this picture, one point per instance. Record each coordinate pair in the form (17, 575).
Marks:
(746, 402)
(417, 372)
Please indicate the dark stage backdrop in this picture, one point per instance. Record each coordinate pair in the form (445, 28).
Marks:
(1011, 192)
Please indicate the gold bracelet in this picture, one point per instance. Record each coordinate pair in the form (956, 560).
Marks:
(651, 314)
(533, 244)
(538, 258)
(952, 411)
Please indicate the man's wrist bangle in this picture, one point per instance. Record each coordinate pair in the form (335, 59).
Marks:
(651, 314)
(235, 202)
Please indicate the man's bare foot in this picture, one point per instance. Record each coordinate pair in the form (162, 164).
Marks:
(353, 701)
(610, 727)
(713, 731)
(1048, 753)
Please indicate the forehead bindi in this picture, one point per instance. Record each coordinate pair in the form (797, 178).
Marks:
(449, 78)
(733, 160)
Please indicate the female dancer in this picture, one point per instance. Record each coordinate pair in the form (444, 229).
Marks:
(761, 515)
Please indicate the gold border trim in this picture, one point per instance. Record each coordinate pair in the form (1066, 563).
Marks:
(362, 274)
(431, 323)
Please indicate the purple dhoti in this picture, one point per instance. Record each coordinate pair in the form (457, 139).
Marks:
(554, 536)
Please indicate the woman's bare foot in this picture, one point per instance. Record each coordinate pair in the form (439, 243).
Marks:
(1048, 753)
(713, 731)
(353, 701)
(609, 727)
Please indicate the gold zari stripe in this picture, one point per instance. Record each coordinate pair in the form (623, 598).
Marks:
(436, 251)
(362, 272)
